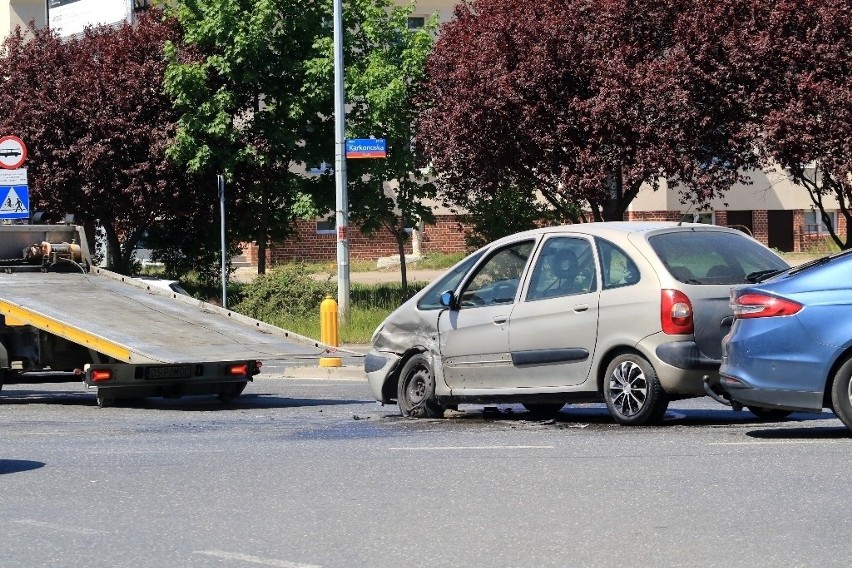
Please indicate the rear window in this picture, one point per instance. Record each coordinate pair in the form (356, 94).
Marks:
(712, 257)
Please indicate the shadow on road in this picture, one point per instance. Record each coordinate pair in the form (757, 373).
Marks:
(205, 403)
(16, 466)
(820, 433)
(581, 416)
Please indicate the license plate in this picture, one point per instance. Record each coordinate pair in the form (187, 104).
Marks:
(172, 372)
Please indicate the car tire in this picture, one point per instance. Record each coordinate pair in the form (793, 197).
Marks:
(769, 413)
(416, 389)
(548, 409)
(841, 393)
(633, 392)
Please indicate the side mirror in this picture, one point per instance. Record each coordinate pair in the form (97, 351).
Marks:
(448, 299)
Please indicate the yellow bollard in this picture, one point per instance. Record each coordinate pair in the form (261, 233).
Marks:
(329, 331)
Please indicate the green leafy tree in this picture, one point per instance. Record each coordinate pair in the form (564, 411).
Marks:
(384, 64)
(385, 67)
(251, 106)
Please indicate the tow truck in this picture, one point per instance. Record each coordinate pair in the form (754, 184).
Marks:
(66, 320)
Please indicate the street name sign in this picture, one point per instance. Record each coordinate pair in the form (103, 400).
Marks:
(366, 148)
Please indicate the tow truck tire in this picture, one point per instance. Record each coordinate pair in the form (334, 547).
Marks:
(105, 400)
(230, 391)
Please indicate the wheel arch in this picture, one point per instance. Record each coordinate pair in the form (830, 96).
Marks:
(607, 359)
(389, 388)
(845, 356)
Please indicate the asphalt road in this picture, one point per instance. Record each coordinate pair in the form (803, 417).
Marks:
(301, 473)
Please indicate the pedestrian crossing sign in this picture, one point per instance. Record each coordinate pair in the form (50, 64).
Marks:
(15, 202)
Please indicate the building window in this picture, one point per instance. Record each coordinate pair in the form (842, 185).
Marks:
(326, 226)
(813, 224)
(706, 217)
(416, 22)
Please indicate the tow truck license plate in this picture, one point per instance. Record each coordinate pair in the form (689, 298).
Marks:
(172, 372)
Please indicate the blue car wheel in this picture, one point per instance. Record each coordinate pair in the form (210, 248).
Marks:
(841, 393)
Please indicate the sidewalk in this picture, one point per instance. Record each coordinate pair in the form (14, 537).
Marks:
(351, 370)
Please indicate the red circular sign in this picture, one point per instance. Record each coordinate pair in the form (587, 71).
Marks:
(13, 152)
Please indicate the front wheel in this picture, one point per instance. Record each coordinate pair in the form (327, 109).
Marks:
(416, 389)
(841, 393)
(633, 392)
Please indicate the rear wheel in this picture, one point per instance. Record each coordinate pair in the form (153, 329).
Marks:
(544, 408)
(416, 389)
(841, 393)
(633, 392)
(769, 413)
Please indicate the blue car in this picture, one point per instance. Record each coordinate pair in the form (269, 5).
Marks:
(790, 346)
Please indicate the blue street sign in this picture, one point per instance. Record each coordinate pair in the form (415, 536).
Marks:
(15, 202)
(366, 148)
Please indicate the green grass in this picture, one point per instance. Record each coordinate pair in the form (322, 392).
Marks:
(369, 306)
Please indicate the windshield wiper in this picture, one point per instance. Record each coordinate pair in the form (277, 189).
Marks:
(761, 275)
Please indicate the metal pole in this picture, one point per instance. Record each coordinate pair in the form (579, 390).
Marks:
(342, 200)
(220, 184)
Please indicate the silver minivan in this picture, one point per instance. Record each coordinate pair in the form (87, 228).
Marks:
(629, 312)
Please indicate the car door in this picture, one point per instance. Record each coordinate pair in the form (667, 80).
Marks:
(474, 335)
(553, 331)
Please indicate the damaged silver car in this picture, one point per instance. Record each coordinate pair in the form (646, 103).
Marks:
(631, 313)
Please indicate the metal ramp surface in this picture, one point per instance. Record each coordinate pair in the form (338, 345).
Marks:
(120, 317)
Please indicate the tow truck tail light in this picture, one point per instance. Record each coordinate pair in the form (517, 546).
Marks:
(755, 305)
(238, 370)
(101, 375)
(676, 313)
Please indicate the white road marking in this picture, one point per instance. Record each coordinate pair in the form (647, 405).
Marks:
(443, 448)
(59, 528)
(254, 559)
(778, 442)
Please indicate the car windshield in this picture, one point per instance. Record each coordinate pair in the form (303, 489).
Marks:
(431, 299)
(713, 257)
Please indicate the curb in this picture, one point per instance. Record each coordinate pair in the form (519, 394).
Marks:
(345, 373)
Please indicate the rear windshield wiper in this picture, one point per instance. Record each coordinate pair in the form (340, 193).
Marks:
(761, 275)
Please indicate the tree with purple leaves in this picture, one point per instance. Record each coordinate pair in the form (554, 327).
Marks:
(808, 122)
(96, 123)
(585, 101)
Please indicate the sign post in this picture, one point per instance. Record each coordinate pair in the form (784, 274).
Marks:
(220, 186)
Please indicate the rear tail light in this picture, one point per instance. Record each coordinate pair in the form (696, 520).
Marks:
(99, 376)
(238, 370)
(676, 313)
(755, 305)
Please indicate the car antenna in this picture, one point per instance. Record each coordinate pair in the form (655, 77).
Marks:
(679, 223)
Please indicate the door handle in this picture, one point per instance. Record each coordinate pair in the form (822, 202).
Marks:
(581, 307)
(500, 320)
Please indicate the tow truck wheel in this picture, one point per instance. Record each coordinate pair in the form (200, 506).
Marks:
(230, 391)
(105, 400)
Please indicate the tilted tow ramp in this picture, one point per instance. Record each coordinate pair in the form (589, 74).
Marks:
(65, 320)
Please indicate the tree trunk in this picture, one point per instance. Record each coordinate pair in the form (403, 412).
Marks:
(400, 243)
(263, 239)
